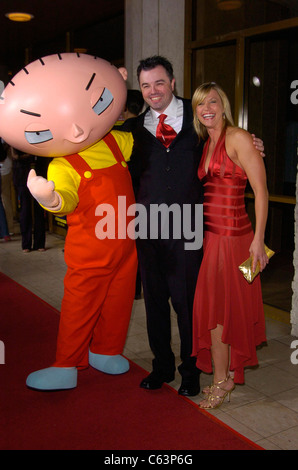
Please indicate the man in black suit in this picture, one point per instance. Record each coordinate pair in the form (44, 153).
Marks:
(167, 175)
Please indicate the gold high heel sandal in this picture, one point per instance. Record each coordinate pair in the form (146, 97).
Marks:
(213, 399)
(207, 389)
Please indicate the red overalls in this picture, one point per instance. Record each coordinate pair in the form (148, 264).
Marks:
(99, 285)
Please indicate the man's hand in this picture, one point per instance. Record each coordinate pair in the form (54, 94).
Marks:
(43, 191)
(259, 144)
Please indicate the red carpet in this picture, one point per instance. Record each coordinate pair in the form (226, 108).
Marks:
(104, 412)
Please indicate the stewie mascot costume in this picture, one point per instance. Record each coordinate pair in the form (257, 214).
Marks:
(64, 106)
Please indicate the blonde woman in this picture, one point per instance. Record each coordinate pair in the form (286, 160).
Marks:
(228, 312)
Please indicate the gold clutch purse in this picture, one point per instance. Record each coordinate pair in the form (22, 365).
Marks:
(246, 266)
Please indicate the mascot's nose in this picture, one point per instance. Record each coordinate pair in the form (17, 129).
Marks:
(77, 133)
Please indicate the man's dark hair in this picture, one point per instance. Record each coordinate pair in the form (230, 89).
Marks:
(152, 62)
(134, 102)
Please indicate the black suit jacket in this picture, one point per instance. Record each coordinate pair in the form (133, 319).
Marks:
(162, 175)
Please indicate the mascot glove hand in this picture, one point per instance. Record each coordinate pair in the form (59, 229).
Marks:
(43, 191)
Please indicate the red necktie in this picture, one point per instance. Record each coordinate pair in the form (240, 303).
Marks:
(164, 132)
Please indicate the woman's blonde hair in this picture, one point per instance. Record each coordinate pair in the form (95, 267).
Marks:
(198, 97)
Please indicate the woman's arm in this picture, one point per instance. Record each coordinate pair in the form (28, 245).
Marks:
(243, 152)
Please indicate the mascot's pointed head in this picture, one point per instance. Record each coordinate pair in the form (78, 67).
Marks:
(61, 104)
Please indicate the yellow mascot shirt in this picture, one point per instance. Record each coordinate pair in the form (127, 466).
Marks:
(67, 180)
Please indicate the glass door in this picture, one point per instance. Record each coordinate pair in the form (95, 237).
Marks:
(215, 64)
(271, 70)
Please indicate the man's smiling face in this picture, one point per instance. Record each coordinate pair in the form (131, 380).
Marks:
(157, 88)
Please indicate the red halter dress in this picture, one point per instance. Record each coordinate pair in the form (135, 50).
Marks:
(223, 296)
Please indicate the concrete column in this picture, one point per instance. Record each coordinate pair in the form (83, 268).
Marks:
(154, 27)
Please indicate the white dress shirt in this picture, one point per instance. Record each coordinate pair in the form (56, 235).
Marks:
(174, 118)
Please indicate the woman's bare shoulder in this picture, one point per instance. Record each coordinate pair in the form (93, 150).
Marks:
(239, 138)
(237, 132)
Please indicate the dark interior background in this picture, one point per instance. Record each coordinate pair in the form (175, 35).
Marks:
(95, 26)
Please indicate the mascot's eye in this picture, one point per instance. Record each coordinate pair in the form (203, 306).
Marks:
(104, 102)
(37, 137)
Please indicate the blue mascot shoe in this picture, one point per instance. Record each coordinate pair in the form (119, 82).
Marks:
(109, 364)
(53, 378)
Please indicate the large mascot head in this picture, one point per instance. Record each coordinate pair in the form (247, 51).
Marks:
(61, 104)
